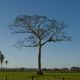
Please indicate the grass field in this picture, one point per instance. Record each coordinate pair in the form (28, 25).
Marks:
(47, 76)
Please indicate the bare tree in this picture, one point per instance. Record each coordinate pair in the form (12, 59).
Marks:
(1, 59)
(40, 30)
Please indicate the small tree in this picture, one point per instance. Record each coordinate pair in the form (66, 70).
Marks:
(6, 62)
(1, 59)
(40, 30)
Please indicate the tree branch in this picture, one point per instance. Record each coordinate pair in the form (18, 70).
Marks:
(28, 45)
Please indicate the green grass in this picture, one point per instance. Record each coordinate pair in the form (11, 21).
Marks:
(47, 76)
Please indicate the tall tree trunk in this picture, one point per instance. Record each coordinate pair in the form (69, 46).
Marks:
(1, 66)
(39, 60)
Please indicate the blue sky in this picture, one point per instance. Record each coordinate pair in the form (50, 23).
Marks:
(63, 54)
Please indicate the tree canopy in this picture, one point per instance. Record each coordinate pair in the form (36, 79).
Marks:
(39, 28)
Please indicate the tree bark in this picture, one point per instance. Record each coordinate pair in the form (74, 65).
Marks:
(39, 61)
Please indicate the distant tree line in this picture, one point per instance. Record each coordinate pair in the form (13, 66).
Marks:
(72, 69)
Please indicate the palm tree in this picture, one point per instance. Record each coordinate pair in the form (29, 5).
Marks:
(1, 59)
(6, 62)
